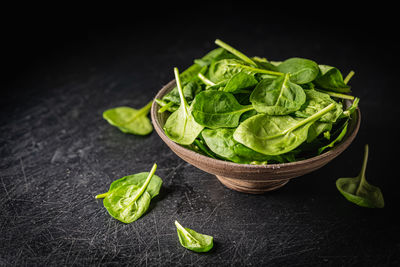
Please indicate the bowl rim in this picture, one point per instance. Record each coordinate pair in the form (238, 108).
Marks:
(346, 141)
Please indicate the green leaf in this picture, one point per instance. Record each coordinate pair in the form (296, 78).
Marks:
(186, 77)
(263, 63)
(331, 79)
(129, 197)
(225, 69)
(339, 135)
(239, 82)
(301, 70)
(277, 96)
(221, 142)
(213, 55)
(180, 126)
(138, 179)
(359, 191)
(204, 149)
(316, 129)
(275, 135)
(235, 84)
(316, 101)
(192, 240)
(130, 120)
(190, 73)
(190, 90)
(215, 109)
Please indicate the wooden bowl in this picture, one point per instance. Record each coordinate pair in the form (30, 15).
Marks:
(255, 179)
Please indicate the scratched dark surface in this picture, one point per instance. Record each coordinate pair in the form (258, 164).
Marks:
(57, 152)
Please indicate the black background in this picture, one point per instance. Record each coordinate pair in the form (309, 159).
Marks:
(65, 66)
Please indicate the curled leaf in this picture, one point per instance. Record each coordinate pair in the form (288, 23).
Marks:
(192, 240)
(359, 191)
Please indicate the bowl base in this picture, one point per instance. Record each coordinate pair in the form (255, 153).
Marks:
(251, 186)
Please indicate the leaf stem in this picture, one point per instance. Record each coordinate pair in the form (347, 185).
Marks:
(166, 107)
(179, 86)
(276, 73)
(143, 111)
(101, 195)
(352, 108)
(205, 80)
(144, 186)
(146, 108)
(247, 108)
(348, 77)
(146, 182)
(315, 116)
(363, 169)
(235, 52)
(338, 95)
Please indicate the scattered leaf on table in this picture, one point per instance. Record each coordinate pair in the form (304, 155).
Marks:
(192, 240)
(359, 191)
(130, 120)
(129, 197)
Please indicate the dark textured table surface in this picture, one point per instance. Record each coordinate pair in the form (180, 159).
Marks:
(57, 152)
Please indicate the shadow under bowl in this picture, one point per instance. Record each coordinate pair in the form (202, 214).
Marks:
(255, 179)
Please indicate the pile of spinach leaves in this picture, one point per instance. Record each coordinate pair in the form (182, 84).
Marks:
(250, 110)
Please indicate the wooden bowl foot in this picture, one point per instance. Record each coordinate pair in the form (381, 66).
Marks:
(251, 186)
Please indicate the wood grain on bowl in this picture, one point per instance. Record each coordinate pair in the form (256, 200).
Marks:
(255, 179)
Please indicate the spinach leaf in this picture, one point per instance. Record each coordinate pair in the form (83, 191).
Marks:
(239, 82)
(222, 143)
(331, 79)
(318, 128)
(315, 101)
(224, 69)
(301, 70)
(235, 84)
(277, 96)
(129, 197)
(338, 136)
(190, 90)
(263, 63)
(130, 120)
(216, 54)
(359, 191)
(192, 240)
(275, 135)
(180, 126)
(188, 77)
(216, 109)
(203, 148)
(190, 73)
